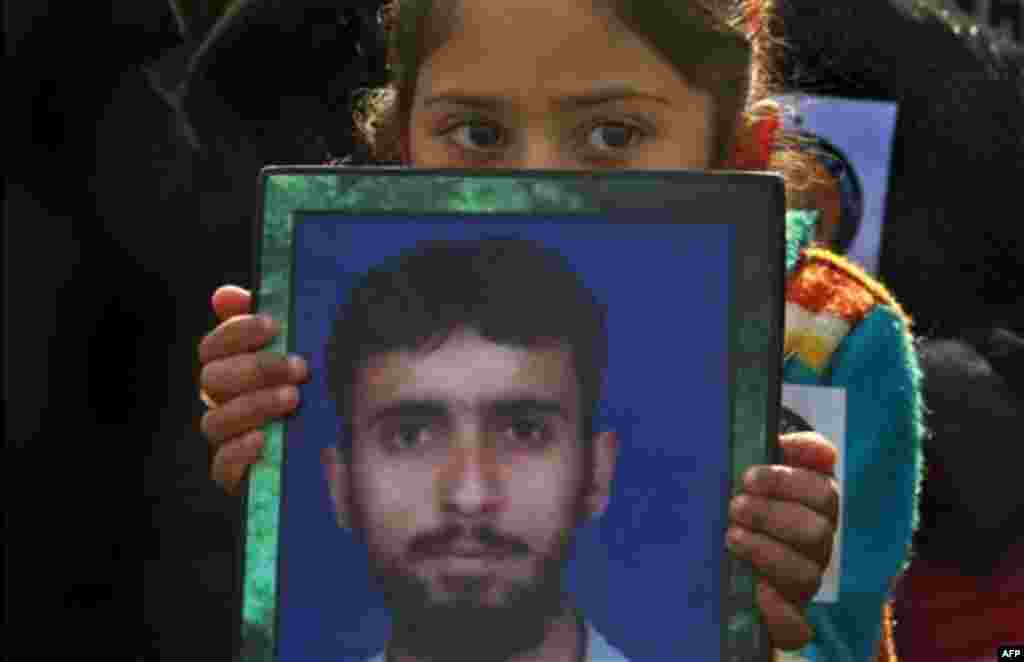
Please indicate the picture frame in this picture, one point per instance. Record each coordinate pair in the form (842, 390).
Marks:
(689, 268)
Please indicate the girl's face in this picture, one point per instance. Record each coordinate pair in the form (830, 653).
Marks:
(542, 84)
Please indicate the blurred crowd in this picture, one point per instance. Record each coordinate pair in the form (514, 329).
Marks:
(133, 151)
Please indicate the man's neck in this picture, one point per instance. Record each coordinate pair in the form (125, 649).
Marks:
(565, 641)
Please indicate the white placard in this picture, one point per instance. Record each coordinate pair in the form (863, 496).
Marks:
(824, 408)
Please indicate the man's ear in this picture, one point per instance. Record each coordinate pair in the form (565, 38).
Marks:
(336, 475)
(605, 455)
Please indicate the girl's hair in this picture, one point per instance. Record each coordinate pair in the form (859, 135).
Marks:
(724, 47)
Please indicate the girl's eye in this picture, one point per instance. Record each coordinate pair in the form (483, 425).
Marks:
(476, 136)
(612, 137)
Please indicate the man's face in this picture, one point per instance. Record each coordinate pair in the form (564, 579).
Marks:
(466, 479)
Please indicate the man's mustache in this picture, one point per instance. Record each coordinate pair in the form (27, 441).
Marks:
(446, 541)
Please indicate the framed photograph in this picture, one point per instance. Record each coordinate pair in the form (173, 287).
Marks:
(532, 395)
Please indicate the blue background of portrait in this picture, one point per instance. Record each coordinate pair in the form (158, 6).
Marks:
(646, 574)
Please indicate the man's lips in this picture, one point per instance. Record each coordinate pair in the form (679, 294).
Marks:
(473, 553)
(470, 564)
(452, 543)
(469, 553)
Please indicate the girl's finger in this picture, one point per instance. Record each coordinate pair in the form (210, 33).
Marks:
(814, 490)
(794, 524)
(808, 450)
(248, 412)
(229, 301)
(233, 459)
(238, 335)
(791, 573)
(787, 626)
(230, 377)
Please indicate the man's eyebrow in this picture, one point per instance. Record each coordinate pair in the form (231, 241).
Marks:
(408, 409)
(524, 406)
(602, 95)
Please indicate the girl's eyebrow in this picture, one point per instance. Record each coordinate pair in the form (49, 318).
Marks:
(606, 94)
(601, 95)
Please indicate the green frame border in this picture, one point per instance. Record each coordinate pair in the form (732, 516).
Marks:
(756, 323)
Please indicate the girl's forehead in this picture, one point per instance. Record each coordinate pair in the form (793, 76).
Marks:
(541, 48)
(476, 12)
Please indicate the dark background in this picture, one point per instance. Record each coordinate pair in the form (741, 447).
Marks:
(121, 218)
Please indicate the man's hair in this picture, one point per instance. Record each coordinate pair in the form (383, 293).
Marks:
(510, 291)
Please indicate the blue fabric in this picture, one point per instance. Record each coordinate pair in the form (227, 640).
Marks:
(877, 366)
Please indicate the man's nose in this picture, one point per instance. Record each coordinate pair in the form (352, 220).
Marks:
(471, 483)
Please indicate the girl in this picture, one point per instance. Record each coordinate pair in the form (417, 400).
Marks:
(643, 84)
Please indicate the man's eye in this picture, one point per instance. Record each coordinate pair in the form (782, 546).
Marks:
(612, 137)
(529, 432)
(476, 136)
(410, 436)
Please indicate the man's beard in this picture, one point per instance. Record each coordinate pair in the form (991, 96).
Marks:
(463, 629)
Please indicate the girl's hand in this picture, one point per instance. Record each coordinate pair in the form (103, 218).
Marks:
(784, 525)
(245, 387)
